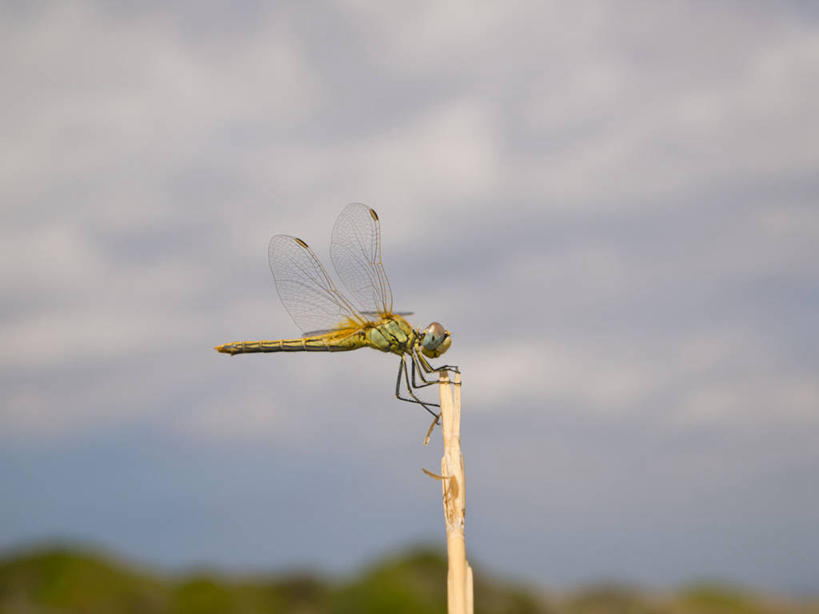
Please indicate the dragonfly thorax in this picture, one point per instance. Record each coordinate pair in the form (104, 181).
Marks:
(393, 334)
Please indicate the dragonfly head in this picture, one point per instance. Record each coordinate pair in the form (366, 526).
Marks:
(435, 340)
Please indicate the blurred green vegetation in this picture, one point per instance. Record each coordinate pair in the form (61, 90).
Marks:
(72, 580)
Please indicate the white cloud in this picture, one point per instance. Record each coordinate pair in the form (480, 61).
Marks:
(116, 105)
(447, 152)
(625, 130)
(251, 417)
(549, 375)
(751, 399)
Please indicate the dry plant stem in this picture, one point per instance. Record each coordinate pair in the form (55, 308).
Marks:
(459, 575)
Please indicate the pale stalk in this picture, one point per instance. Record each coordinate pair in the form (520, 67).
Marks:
(459, 574)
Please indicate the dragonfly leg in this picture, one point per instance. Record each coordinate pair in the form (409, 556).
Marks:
(431, 369)
(418, 371)
(402, 372)
(420, 365)
(411, 388)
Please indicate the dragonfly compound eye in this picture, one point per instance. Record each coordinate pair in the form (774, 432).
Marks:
(436, 340)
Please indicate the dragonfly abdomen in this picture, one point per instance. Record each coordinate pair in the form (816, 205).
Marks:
(304, 344)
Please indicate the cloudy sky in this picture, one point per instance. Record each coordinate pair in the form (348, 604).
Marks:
(613, 207)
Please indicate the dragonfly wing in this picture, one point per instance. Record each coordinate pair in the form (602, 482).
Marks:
(306, 290)
(355, 249)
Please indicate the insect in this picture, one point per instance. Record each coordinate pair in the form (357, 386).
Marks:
(331, 322)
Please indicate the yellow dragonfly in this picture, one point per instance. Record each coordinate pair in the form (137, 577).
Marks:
(330, 322)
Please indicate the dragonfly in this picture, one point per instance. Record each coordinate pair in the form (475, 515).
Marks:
(332, 322)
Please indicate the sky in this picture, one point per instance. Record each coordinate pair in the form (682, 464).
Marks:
(611, 206)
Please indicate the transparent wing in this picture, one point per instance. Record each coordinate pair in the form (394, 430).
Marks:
(355, 249)
(306, 290)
